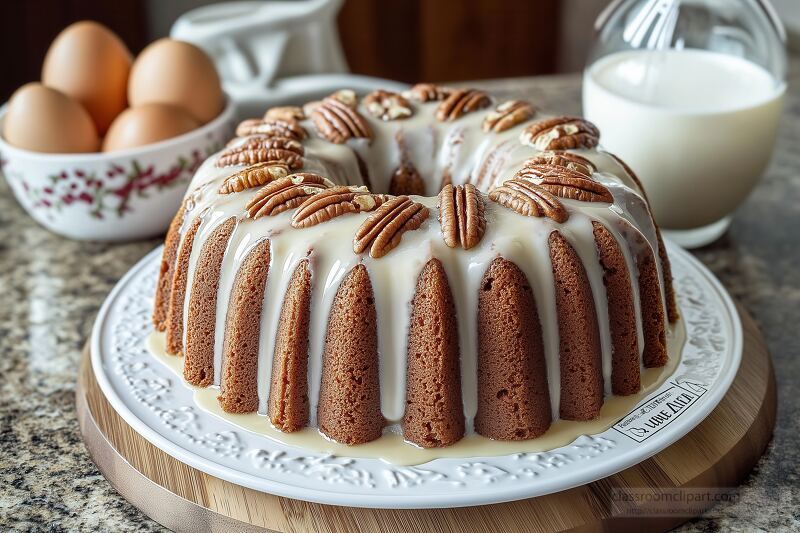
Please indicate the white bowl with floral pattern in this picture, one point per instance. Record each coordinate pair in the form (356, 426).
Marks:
(115, 196)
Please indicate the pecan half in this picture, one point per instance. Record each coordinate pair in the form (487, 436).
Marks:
(460, 102)
(387, 105)
(382, 231)
(529, 199)
(507, 115)
(561, 133)
(406, 180)
(254, 176)
(250, 140)
(286, 112)
(461, 216)
(335, 202)
(336, 121)
(565, 183)
(259, 149)
(427, 92)
(309, 107)
(262, 141)
(346, 96)
(271, 127)
(564, 159)
(285, 193)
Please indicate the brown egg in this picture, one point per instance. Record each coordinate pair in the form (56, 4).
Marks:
(177, 73)
(89, 63)
(146, 124)
(46, 120)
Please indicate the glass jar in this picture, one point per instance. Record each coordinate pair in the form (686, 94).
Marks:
(689, 93)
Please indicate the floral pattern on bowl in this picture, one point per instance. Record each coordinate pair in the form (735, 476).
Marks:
(101, 198)
(115, 196)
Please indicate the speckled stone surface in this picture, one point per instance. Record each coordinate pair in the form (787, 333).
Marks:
(52, 288)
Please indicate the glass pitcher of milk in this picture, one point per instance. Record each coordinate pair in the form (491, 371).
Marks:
(689, 94)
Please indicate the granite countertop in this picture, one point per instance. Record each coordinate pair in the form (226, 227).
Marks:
(52, 288)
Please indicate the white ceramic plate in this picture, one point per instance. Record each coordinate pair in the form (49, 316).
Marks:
(160, 407)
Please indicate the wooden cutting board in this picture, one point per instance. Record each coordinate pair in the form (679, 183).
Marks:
(719, 453)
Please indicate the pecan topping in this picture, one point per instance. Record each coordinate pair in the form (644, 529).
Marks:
(271, 127)
(507, 115)
(460, 102)
(427, 92)
(335, 202)
(406, 180)
(337, 121)
(254, 176)
(309, 107)
(382, 231)
(259, 149)
(346, 96)
(285, 193)
(287, 113)
(461, 215)
(387, 105)
(566, 160)
(565, 183)
(529, 199)
(561, 133)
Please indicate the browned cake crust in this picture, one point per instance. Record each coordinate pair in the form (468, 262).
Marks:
(349, 409)
(666, 268)
(625, 378)
(164, 285)
(239, 380)
(177, 295)
(652, 311)
(579, 335)
(513, 398)
(434, 413)
(198, 362)
(406, 181)
(288, 393)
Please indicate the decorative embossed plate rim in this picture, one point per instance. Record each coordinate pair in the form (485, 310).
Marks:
(159, 407)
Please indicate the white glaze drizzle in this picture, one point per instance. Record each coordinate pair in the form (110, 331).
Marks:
(462, 149)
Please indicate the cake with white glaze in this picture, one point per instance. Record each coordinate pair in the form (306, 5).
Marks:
(311, 279)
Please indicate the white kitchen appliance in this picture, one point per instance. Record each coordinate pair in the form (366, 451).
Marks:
(274, 52)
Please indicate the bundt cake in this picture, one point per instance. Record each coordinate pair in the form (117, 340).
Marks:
(311, 279)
